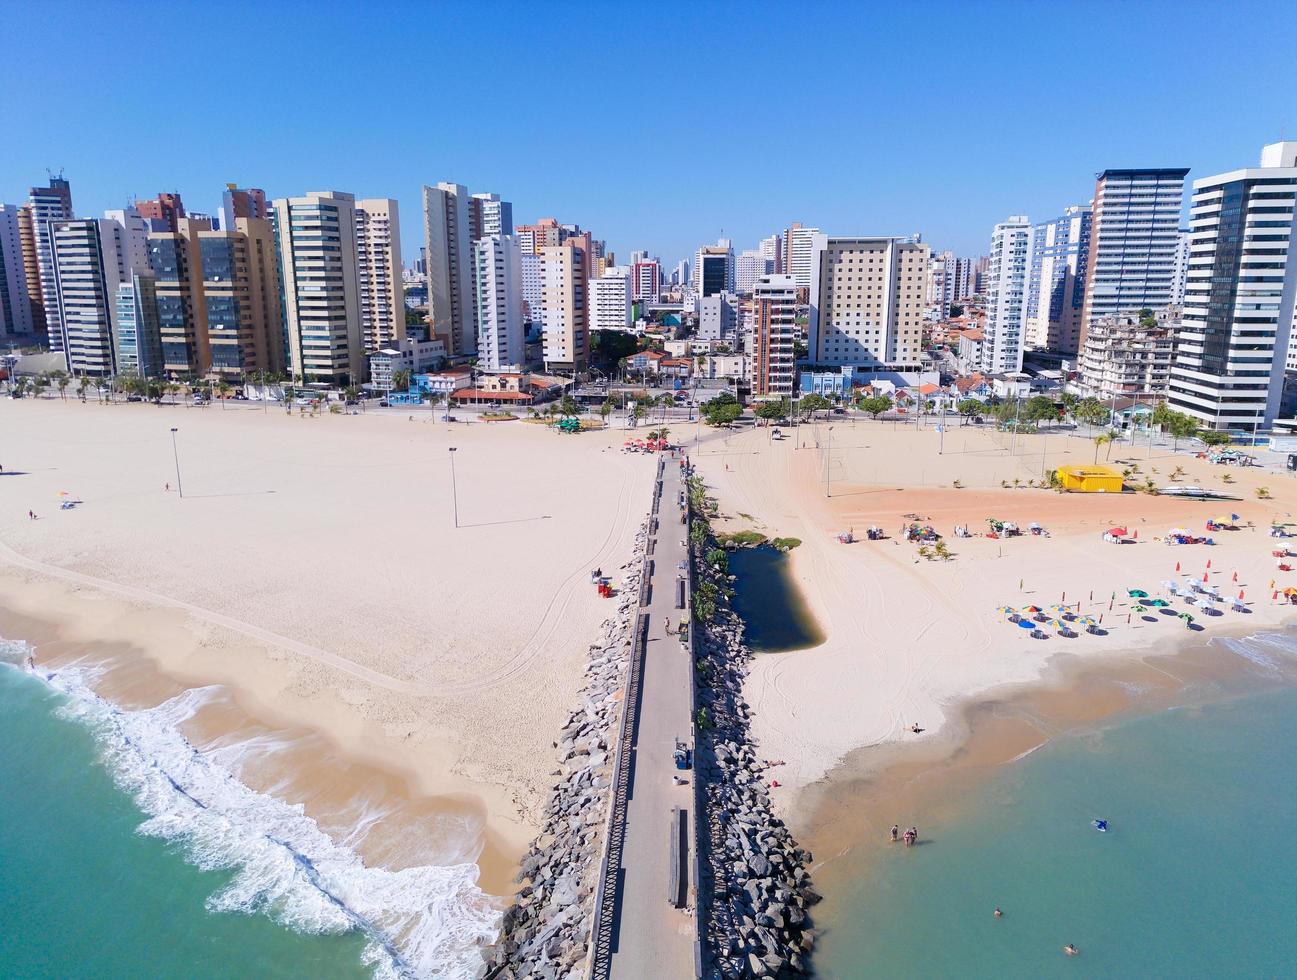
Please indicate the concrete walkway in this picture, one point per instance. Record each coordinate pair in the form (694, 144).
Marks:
(652, 938)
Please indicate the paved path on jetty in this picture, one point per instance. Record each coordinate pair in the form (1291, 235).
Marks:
(651, 938)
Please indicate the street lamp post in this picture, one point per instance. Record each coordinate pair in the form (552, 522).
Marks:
(176, 454)
(828, 460)
(454, 490)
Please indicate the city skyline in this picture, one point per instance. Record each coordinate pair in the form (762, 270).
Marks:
(915, 163)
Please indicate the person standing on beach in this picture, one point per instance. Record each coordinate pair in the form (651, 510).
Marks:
(896, 832)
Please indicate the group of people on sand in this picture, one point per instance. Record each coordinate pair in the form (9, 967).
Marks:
(910, 837)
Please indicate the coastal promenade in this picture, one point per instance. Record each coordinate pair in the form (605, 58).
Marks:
(645, 925)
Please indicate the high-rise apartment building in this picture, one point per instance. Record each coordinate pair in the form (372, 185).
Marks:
(533, 282)
(450, 267)
(646, 277)
(680, 277)
(610, 299)
(91, 259)
(749, 266)
(1060, 249)
(378, 271)
(139, 339)
(774, 334)
(176, 262)
(772, 250)
(1007, 284)
(488, 215)
(497, 280)
(31, 269)
(15, 302)
(1236, 328)
(240, 293)
(950, 279)
(162, 212)
(545, 232)
(563, 308)
(243, 202)
(799, 254)
(866, 302)
(1133, 234)
(317, 248)
(49, 204)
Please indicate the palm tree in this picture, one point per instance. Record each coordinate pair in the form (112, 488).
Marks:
(63, 381)
(1100, 441)
(400, 380)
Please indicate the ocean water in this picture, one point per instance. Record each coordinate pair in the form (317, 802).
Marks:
(127, 852)
(1195, 877)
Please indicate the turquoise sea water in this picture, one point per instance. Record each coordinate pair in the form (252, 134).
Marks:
(127, 852)
(1196, 877)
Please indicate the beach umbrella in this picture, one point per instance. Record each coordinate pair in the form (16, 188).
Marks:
(1031, 609)
(1186, 617)
(1056, 624)
(1086, 620)
(1006, 610)
(1137, 593)
(1026, 624)
(1158, 603)
(1138, 609)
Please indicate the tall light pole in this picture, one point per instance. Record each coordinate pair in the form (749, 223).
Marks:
(454, 490)
(828, 460)
(176, 454)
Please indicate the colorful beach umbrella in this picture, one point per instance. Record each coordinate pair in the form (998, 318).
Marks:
(1087, 621)
(1137, 593)
(1006, 611)
(1031, 609)
(1056, 624)
(1158, 603)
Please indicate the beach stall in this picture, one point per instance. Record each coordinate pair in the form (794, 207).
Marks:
(1090, 479)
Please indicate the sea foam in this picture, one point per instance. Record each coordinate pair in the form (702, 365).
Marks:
(428, 921)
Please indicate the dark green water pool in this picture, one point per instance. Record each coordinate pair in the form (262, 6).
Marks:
(772, 606)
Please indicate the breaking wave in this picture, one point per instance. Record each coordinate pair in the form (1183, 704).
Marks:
(429, 921)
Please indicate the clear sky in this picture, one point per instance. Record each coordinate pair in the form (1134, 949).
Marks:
(656, 126)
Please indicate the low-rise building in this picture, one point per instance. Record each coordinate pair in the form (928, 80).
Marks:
(971, 343)
(1129, 355)
(410, 354)
(723, 366)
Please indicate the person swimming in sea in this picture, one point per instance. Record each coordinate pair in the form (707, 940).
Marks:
(1071, 950)
(998, 913)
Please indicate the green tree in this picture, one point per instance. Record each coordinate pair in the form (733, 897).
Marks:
(1214, 437)
(1091, 411)
(1105, 439)
(808, 405)
(62, 380)
(773, 410)
(875, 405)
(400, 380)
(1040, 408)
(956, 310)
(568, 405)
(969, 407)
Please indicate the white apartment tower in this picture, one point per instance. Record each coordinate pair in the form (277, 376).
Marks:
(866, 302)
(1236, 327)
(563, 307)
(646, 277)
(317, 247)
(488, 215)
(450, 267)
(1006, 295)
(798, 257)
(750, 266)
(1181, 267)
(1133, 236)
(610, 299)
(1060, 249)
(774, 333)
(772, 250)
(378, 272)
(501, 332)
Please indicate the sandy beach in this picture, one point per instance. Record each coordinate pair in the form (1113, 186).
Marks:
(912, 641)
(314, 571)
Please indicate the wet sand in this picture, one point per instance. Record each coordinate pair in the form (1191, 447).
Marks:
(845, 817)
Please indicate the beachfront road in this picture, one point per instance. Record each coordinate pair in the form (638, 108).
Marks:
(652, 938)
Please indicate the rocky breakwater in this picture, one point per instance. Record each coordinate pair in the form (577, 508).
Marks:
(756, 906)
(545, 933)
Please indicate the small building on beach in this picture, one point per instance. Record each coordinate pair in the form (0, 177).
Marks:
(1090, 479)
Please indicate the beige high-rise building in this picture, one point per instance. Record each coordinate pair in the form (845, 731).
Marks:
(378, 271)
(563, 303)
(449, 251)
(317, 245)
(182, 312)
(866, 302)
(240, 295)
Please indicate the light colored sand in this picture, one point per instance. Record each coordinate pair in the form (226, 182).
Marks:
(314, 568)
(907, 639)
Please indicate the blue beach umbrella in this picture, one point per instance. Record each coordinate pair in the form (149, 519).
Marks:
(1026, 624)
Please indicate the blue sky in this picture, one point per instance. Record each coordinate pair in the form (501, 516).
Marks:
(656, 126)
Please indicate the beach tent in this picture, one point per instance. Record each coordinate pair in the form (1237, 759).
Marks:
(1090, 479)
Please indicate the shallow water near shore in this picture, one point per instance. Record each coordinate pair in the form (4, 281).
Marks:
(1194, 877)
(774, 612)
(127, 850)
